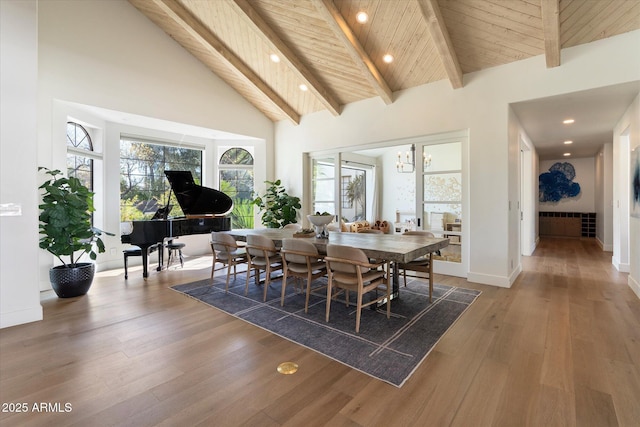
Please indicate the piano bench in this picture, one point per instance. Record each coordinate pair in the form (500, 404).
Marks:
(134, 251)
(172, 247)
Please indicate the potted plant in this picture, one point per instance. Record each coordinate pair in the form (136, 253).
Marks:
(278, 207)
(67, 233)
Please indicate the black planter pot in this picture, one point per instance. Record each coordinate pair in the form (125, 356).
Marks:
(72, 280)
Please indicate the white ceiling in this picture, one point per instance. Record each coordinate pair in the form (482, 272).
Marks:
(595, 112)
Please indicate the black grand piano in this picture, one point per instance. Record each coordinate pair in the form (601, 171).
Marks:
(205, 210)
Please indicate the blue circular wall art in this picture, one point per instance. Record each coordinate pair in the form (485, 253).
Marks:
(557, 184)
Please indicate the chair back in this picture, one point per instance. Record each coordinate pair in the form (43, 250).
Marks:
(294, 227)
(418, 233)
(222, 242)
(298, 245)
(254, 244)
(349, 253)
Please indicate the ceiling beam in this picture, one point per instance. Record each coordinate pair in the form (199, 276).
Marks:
(339, 26)
(440, 35)
(269, 36)
(550, 10)
(212, 44)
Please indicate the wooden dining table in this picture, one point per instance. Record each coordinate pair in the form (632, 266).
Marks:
(395, 248)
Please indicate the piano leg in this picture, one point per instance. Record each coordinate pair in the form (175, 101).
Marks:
(145, 258)
(160, 256)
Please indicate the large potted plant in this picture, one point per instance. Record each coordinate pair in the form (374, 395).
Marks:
(66, 232)
(278, 207)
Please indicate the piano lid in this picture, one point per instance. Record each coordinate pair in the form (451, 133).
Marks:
(195, 199)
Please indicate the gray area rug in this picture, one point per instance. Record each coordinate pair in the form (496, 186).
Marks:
(387, 349)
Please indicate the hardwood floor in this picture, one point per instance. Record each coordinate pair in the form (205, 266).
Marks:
(560, 348)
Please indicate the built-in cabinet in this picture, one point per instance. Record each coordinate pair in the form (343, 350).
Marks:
(567, 224)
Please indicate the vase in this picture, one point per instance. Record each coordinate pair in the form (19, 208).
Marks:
(72, 280)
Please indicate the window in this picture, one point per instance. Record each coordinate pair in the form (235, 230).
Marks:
(236, 181)
(354, 194)
(442, 195)
(323, 185)
(143, 185)
(347, 203)
(79, 150)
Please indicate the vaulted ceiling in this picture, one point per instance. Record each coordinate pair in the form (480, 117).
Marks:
(321, 45)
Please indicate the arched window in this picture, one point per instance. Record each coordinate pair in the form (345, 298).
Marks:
(236, 180)
(79, 145)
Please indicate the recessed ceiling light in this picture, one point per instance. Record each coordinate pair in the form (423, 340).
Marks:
(566, 154)
(303, 87)
(362, 17)
(387, 58)
(568, 121)
(274, 57)
(568, 142)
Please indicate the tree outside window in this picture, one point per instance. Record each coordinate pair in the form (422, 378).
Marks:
(236, 181)
(143, 186)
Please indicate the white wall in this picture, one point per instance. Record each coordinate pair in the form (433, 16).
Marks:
(604, 197)
(19, 297)
(626, 242)
(480, 106)
(585, 176)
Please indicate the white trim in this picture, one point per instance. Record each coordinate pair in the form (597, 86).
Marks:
(488, 279)
(19, 317)
(635, 286)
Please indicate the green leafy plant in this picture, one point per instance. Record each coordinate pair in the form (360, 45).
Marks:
(65, 219)
(278, 207)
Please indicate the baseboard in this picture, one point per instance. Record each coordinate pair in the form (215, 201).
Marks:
(605, 248)
(634, 285)
(487, 279)
(19, 317)
(621, 267)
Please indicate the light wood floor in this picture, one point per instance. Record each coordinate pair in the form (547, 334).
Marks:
(560, 348)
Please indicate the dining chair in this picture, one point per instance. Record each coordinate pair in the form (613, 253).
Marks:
(370, 231)
(422, 264)
(349, 269)
(301, 260)
(294, 227)
(227, 252)
(262, 254)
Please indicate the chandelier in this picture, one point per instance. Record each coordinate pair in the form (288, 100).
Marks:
(408, 163)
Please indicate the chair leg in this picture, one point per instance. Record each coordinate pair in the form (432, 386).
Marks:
(306, 301)
(358, 311)
(246, 287)
(329, 296)
(430, 277)
(226, 287)
(267, 280)
(126, 271)
(284, 286)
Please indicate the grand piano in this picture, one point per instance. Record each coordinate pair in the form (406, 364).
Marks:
(205, 210)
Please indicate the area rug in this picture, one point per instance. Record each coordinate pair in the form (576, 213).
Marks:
(387, 349)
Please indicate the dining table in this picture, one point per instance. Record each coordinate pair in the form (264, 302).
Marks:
(398, 249)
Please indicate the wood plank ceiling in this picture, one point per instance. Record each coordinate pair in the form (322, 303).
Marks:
(322, 46)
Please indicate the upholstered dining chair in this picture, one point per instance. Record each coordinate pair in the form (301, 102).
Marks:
(370, 231)
(349, 269)
(262, 254)
(227, 252)
(301, 260)
(422, 264)
(294, 227)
